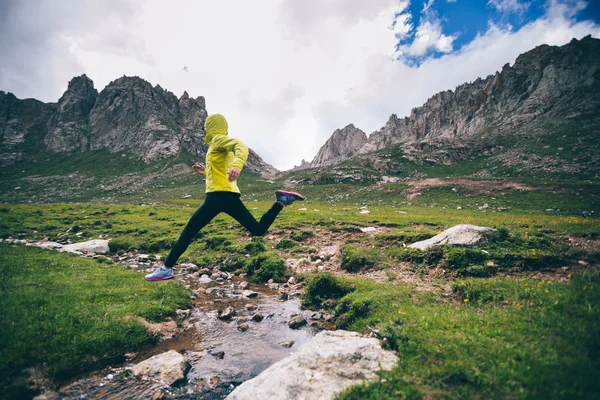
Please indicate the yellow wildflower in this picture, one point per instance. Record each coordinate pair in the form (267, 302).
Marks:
(569, 276)
(546, 290)
(466, 300)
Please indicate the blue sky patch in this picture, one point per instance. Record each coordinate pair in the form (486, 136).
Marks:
(451, 24)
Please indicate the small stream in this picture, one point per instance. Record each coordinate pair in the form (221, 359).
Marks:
(221, 356)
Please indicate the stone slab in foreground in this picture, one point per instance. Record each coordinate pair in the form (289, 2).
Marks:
(329, 363)
(96, 246)
(459, 234)
(170, 367)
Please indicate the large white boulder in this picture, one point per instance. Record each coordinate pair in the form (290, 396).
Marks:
(329, 363)
(459, 234)
(96, 246)
(169, 367)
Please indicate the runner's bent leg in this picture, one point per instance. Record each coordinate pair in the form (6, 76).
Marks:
(240, 213)
(203, 215)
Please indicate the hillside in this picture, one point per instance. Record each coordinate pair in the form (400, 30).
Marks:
(538, 118)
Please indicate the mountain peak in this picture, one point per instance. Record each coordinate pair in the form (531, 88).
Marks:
(343, 144)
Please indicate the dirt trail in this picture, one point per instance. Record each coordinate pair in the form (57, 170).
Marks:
(476, 186)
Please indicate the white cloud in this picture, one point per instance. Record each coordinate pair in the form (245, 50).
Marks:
(429, 36)
(509, 5)
(285, 73)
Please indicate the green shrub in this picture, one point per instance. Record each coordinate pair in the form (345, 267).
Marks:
(458, 258)
(323, 287)
(234, 263)
(350, 310)
(300, 235)
(120, 244)
(285, 244)
(355, 259)
(265, 266)
(429, 257)
(156, 245)
(203, 262)
(255, 247)
(218, 243)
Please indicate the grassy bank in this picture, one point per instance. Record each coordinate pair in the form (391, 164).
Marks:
(495, 338)
(67, 313)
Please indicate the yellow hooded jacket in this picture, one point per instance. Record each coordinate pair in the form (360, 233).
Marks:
(223, 153)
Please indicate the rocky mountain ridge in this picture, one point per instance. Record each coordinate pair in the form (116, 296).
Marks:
(545, 86)
(129, 116)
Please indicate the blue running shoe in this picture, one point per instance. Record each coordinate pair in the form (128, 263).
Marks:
(160, 274)
(286, 198)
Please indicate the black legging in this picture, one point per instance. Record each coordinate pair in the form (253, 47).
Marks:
(214, 204)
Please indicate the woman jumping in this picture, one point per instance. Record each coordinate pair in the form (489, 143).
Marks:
(224, 161)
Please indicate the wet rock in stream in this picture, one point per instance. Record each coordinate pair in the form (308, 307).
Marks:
(170, 367)
(228, 313)
(297, 322)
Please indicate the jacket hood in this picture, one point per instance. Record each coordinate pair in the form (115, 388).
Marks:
(216, 124)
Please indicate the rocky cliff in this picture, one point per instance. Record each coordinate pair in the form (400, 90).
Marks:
(343, 144)
(129, 116)
(548, 84)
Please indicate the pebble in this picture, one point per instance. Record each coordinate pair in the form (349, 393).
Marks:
(243, 327)
(288, 344)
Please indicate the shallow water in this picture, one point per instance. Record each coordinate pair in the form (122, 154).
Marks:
(246, 354)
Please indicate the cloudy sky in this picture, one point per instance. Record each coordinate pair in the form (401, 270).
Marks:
(285, 73)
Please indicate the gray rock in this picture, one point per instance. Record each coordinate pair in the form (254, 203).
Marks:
(257, 317)
(459, 234)
(287, 344)
(49, 245)
(170, 367)
(244, 285)
(243, 327)
(204, 279)
(329, 363)
(96, 246)
(297, 322)
(249, 294)
(228, 313)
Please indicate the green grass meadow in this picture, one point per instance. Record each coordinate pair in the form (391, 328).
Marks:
(66, 314)
(497, 334)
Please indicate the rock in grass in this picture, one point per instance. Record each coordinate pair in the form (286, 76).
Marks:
(297, 322)
(96, 246)
(368, 229)
(459, 234)
(325, 366)
(170, 367)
